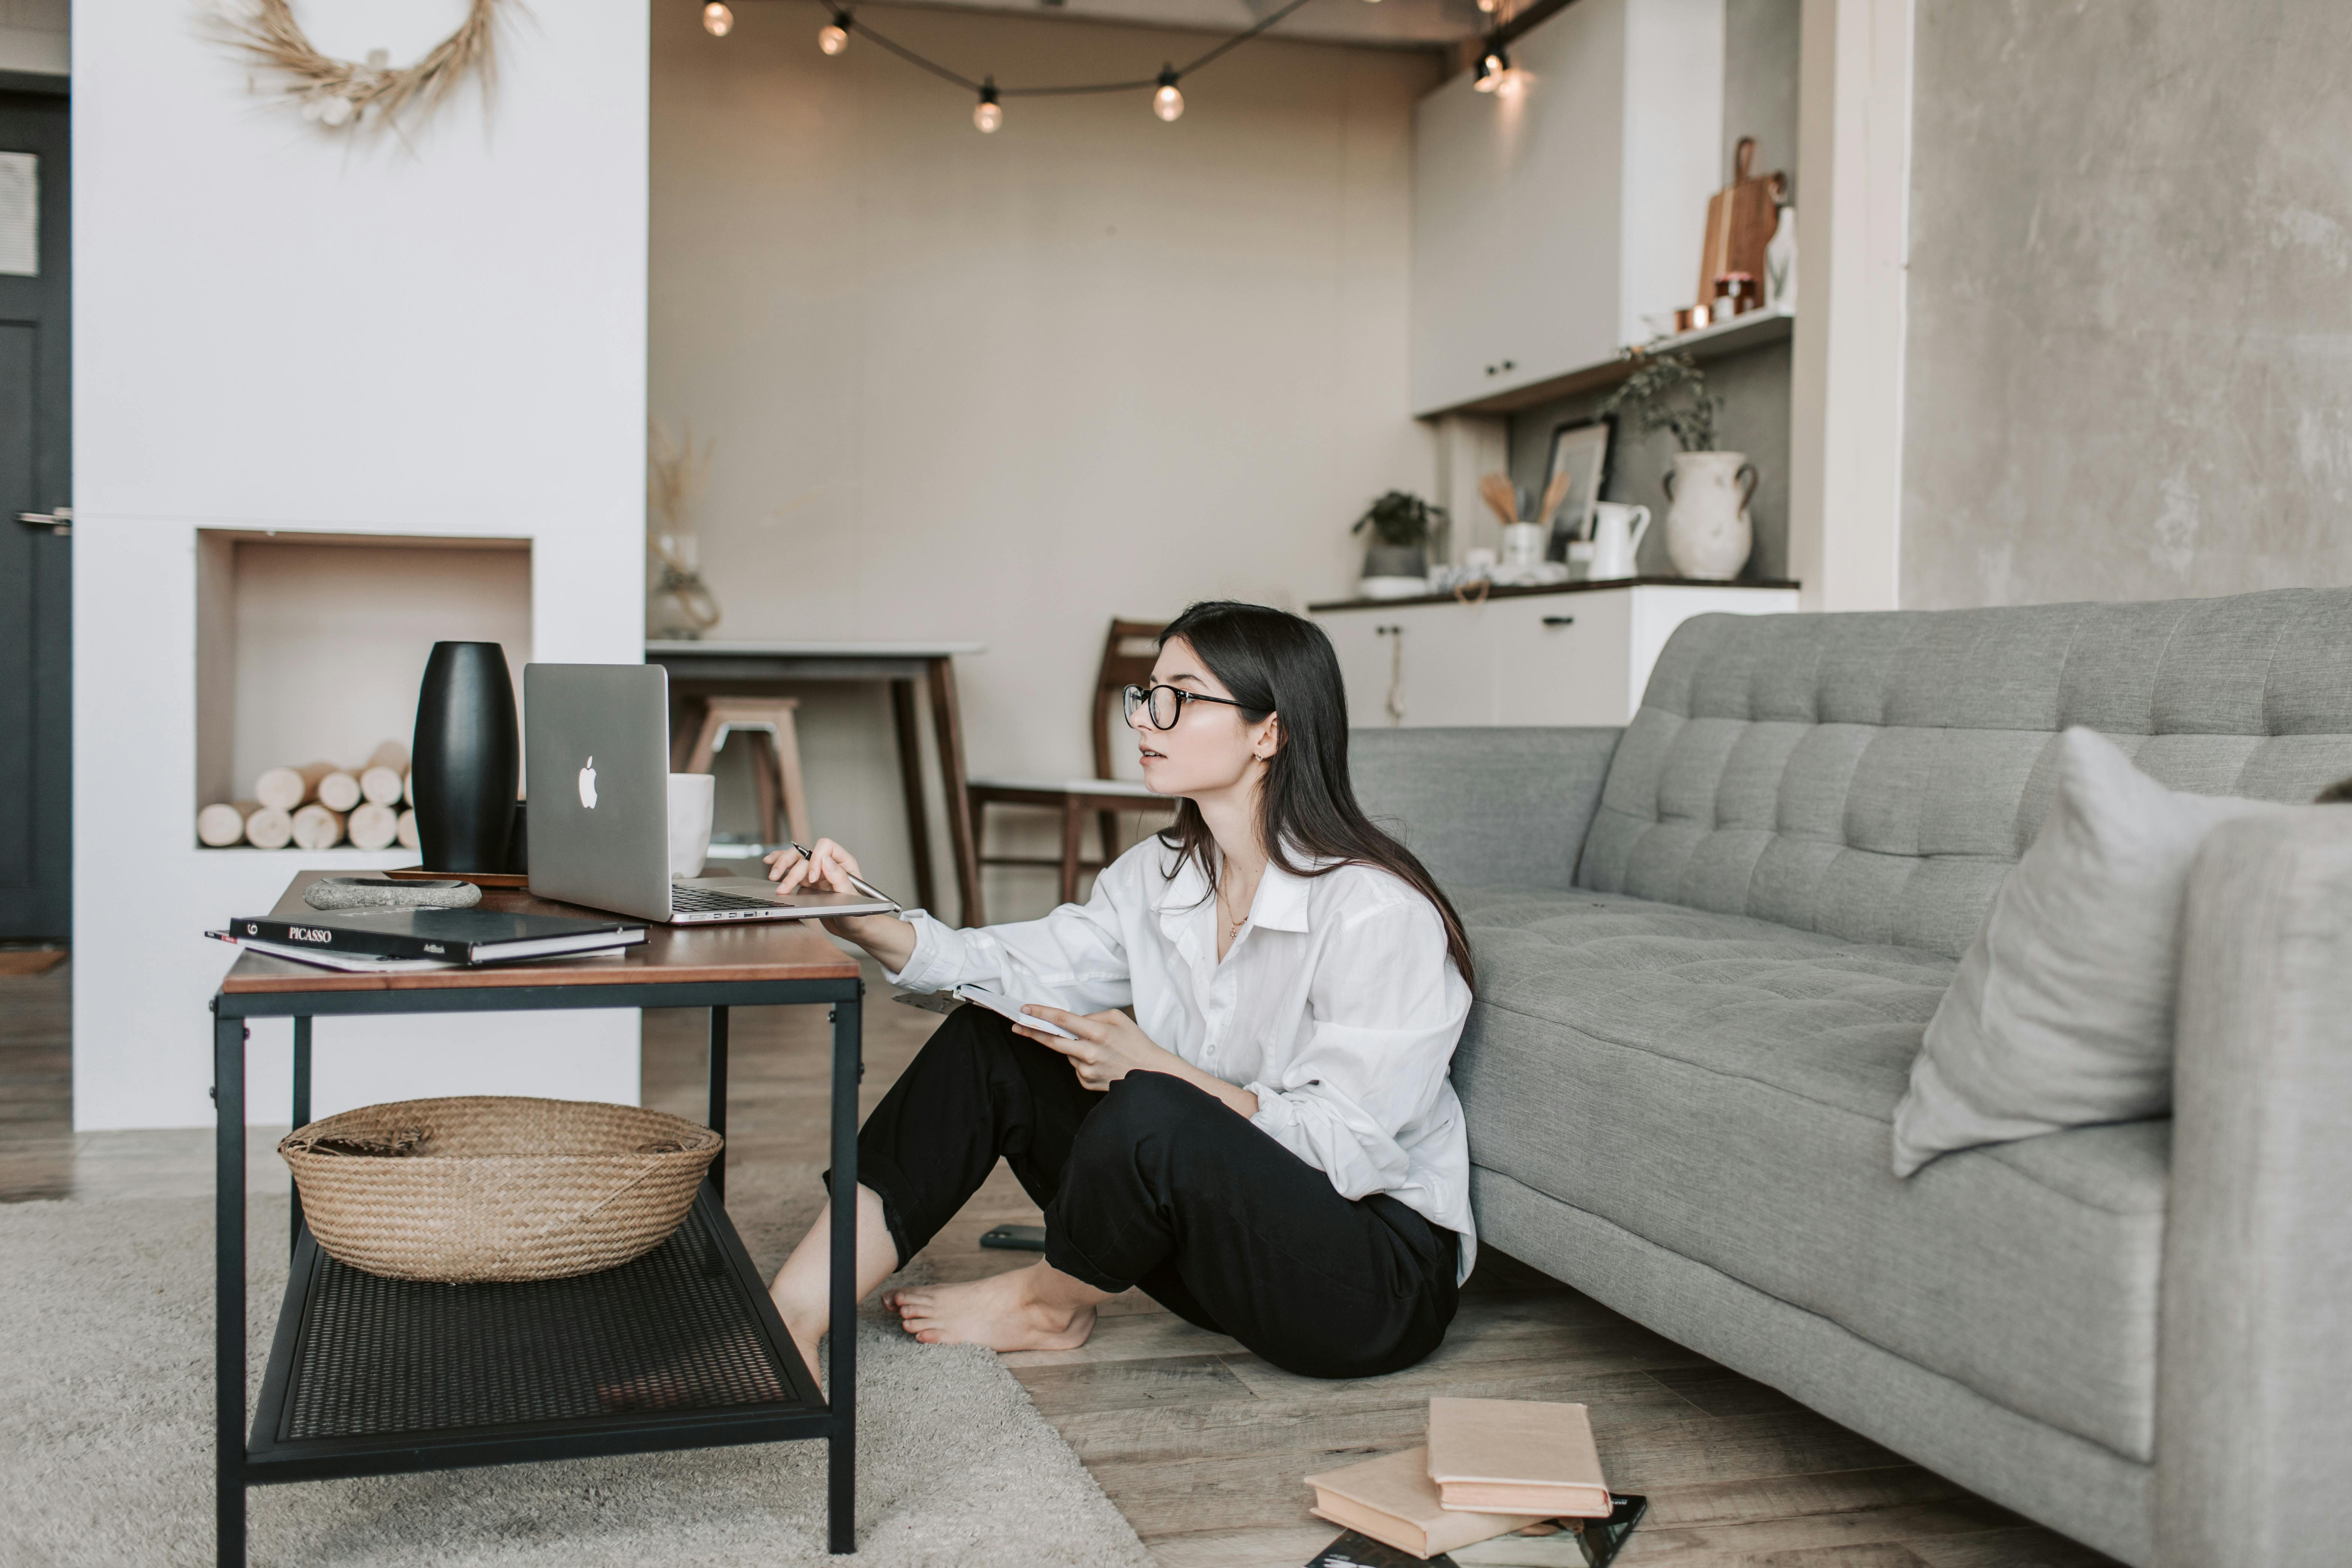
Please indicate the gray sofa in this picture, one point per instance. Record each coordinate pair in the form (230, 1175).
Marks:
(1708, 946)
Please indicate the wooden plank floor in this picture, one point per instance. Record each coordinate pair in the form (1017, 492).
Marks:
(1200, 1444)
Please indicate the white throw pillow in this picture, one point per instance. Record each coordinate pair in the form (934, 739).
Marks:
(2061, 1015)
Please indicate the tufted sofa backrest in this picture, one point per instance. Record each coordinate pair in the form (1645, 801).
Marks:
(1874, 776)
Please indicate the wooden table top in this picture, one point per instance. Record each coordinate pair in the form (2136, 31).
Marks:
(731, 951)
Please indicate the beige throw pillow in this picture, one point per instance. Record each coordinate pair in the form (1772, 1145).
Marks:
(2062, 1013)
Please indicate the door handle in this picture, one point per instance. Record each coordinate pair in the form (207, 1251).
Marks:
(58, 521)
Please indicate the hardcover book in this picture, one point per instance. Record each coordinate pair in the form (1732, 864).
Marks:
(1513, 1456)
(1354, 1549)
(1394, 1500)
(444, 936)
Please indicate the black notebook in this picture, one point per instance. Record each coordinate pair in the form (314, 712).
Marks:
(440, 936)
(1580, 1543)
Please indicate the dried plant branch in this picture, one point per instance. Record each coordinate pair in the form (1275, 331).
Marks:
(356, 94)
(674, 474)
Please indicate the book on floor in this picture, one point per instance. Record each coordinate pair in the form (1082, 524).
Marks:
(441, 936)
(1353, 1549)
(1576, 1543)
(1513, 1456)
(1560, 1543)
(1394, 1500)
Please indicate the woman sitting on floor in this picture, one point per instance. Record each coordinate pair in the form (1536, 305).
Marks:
(1270, 1146)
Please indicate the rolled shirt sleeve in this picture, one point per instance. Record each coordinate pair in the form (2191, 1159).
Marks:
(1072, 958)
(1386, 1008)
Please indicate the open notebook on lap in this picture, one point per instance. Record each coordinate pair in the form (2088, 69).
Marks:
(596, 771)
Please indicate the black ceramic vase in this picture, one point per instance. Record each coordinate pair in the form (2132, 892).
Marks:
(467, 758)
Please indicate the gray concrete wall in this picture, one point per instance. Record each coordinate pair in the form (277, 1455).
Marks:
(1760, 41)
(2129, 370)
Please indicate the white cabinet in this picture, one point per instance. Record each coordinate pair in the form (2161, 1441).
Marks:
(1546, 224)
(1574, 656)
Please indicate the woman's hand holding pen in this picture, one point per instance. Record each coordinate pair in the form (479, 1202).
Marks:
(827, 868)
(1109, 1046)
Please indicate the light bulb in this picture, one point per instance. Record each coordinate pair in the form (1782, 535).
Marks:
(1167, 103)
(717, 19)
(833, 37)
(1492, 67)
(988, 114)
(1487, 7)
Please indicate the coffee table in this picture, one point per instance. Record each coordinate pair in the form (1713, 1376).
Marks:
(373, 1377)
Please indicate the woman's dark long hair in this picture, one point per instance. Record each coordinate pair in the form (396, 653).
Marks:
(1273, 662)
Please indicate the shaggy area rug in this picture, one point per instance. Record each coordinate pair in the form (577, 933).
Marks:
(106, 1449)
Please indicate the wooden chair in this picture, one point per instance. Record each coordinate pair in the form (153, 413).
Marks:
(1127, 656)
(775, 767)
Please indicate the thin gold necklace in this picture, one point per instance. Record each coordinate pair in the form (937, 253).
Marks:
(1234, 922)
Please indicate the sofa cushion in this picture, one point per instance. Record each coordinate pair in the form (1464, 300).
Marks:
(1725, 1087)
(1874, 776)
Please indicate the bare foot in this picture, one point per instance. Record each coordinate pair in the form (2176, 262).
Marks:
(1003, 1313)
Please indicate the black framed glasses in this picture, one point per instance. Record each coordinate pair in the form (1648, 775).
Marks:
(1163, 705)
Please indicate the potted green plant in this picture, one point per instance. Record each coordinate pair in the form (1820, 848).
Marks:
(1709, 530)
(1396, 561)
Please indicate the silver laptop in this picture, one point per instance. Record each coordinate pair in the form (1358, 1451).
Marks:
(596, 772)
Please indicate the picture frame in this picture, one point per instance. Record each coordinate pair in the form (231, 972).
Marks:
(1584, 448)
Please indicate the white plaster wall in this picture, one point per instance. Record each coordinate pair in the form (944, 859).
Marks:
(277, 329)
(1002, 388)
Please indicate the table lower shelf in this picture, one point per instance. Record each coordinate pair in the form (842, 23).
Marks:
(679, 1349)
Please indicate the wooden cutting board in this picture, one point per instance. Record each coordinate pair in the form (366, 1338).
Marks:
(1741, 218)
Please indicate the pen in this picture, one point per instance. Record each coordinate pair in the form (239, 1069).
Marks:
(856, 881)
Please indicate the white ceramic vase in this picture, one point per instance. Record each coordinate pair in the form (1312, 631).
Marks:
(1708, 534)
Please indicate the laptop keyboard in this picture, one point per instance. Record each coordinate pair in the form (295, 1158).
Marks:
(705, 900)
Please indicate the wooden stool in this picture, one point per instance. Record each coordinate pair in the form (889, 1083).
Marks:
(775, 767)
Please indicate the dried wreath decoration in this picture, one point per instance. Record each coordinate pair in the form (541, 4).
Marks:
(353, 94)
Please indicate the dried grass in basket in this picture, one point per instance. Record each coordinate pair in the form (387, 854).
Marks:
(493, 1187)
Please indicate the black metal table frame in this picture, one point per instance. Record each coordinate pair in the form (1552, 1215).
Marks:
(269, 1461)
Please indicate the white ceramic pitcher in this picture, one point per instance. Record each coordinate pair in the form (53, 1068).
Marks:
(1617, 530)
(1709, 530)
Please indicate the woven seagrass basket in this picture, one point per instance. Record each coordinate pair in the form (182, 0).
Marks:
(484, 1188)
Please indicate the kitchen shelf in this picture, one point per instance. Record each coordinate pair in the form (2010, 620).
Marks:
(1448, 596)
(1751, 330)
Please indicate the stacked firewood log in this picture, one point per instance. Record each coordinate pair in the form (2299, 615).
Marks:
(320, 805)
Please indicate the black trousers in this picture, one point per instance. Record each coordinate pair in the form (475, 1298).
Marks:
(1160, 1184)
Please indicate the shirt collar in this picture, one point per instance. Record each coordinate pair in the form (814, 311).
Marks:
(1280, 903)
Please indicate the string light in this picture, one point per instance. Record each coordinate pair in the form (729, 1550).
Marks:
(1494, 73)
(1166, 102)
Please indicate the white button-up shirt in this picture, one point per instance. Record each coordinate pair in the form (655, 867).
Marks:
(1337, 1006)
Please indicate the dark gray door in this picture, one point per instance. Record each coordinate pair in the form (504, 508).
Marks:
(36, 558)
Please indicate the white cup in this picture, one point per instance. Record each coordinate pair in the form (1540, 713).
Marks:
(692, 798)
(1523, 544)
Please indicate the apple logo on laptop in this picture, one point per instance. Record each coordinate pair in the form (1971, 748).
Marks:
(588, 784)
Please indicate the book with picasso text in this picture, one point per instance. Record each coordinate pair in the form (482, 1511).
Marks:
(440, 936)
